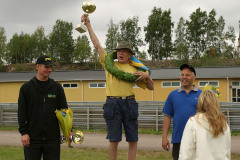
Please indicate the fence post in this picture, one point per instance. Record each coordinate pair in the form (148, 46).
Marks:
(157, 118)
(88, 118)
(228, 118)
(1, 115)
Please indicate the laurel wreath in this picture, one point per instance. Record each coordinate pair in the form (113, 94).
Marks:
(109, 64)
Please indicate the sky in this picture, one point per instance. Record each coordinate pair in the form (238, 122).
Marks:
(26, 16)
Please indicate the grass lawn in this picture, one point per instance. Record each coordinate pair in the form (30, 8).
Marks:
(16, 153)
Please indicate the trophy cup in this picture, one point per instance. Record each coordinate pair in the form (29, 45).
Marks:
(77, 137)
(88, 7)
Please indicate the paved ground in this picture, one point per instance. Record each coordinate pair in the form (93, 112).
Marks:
(98, 140)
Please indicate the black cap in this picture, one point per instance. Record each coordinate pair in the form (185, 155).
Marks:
(189, 67)
(45, 60)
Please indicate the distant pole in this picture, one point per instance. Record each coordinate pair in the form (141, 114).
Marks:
(239, 36)
(152, 49)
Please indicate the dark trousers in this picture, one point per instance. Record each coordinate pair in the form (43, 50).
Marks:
(50, 150)
(175, 151)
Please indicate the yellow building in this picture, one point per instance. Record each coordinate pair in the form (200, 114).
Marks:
(88, 86)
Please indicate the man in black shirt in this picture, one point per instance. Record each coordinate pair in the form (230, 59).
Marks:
(38, 124)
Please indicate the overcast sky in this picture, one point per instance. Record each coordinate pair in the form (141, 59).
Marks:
(26, 15)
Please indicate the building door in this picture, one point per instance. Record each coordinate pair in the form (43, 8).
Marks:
(236, 91)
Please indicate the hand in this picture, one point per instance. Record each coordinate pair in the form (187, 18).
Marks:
(25, 140)
(69, 136)
(85, 19)
(142, 76)
(165, 144)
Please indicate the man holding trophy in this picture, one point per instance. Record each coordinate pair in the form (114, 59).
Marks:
(121, 107)
(38, 100)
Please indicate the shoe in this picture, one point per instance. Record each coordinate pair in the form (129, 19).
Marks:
(70, 146)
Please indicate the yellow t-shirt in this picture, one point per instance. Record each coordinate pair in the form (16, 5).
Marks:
(117, 87)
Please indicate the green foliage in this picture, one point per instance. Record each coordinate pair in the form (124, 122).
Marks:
(196, 30)
(19, 49)
(158, 33)
(94, 60)
(194, 38)
(26, 67)
(211, 27)
(181, 51)
(82, 51)
(109, 64)
(61, 43)
(180, 32)
(129, 31)
(1, 67)
(3, 40)
(40, 42)
(18, 67)
(142, 55)
(238, 61)
(220, 35)
(112, 36)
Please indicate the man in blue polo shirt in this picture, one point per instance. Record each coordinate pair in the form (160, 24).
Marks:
(180, 105)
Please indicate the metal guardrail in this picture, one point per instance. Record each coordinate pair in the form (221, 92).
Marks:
(88, 115)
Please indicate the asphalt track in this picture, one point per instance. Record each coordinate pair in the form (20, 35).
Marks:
(98, 140)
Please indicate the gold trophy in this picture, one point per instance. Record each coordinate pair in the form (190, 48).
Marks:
(88, 7)
(77, 137)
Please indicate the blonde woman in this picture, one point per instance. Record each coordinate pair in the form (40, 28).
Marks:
(207, 134)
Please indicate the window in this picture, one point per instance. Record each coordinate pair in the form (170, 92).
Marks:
(212, 83)
(97, 85)
(171, 84)
(70, 85)
(236, 91)
(235, 84)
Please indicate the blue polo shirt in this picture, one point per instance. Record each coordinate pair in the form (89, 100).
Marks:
(180, 106)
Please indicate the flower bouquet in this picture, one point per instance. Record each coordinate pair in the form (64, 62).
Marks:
(65, 118)
(214, 89)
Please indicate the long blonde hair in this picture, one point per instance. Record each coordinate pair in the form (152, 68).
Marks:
(209, 105)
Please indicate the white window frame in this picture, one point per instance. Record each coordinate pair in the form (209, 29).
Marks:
(171, 86)
(235, 81)
(97, 84)
(70, 85)
(208, 82)
(236, 88)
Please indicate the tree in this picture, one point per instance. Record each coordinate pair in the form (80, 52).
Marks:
(196, 30)
(26, 48)
(220, 35)
(142, 55)
(181, 46)
(61, 43)
(229, 45)
(129, 31)
(95, 58)
(158, 33)
(211, 27)
(82, 50)
(113, 36)
(40, 42)
(3, 40)
(19, 49)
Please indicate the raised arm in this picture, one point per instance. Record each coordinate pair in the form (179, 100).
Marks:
(92, 35)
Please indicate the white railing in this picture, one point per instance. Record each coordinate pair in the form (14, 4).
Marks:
(88, 115)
